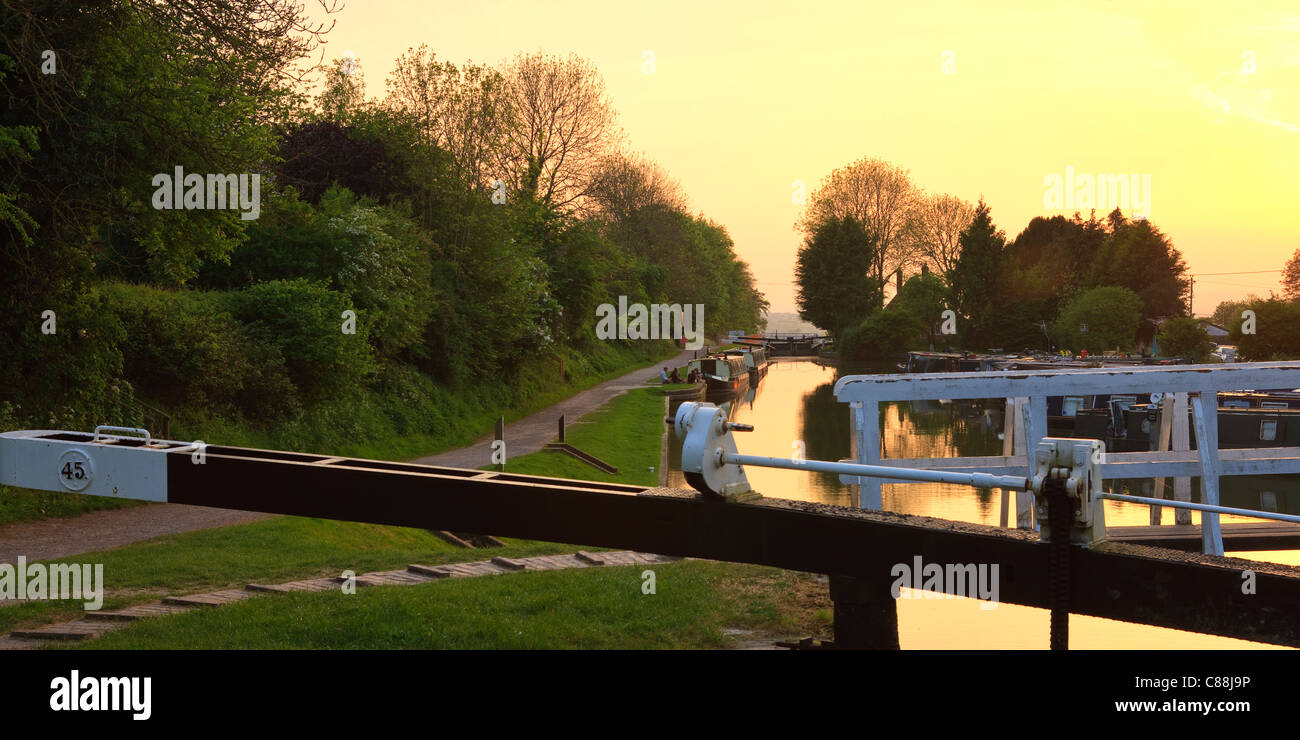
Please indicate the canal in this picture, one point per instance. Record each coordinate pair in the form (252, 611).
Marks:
(794, 408)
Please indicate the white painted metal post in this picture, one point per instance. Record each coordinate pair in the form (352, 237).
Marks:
(1182, 443)
(1206, 415)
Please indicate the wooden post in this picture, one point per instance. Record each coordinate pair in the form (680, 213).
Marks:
(499, 434)
(561, 427)
(866, 615)
(1008, 449)
(1182, 441)
(1205, 409)
(1162, 444)
(1024, 499)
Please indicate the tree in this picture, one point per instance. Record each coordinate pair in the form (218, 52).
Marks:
(561, 124)
(1100, 320)
(883, 333)
(318, 154)
(1184, 336)
(1275, 335)
(624, 184)
(1139, 257)
(834, 290)
(345, 90)
(1291, 277)
(464, 111)
(925, 298)
(1226, 311)
(936, 224)
(879, 196)
(974, 279)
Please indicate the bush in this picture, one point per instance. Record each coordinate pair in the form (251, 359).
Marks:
(302, 322)
(1185, 337)
(1112, 315)
(881, 334)
(1276, 332)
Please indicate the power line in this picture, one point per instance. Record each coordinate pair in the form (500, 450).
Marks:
(1252, 272)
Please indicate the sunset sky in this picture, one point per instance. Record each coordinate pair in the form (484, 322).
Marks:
(747, 97)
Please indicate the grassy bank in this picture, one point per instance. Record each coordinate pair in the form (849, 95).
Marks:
(271, 551)
(595, 608)
(22, 505)
(625, 433)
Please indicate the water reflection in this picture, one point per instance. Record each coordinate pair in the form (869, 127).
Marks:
(795, 403)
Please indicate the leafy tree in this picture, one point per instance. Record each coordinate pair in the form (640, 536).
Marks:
(1276, 333)
(936, 223)
(881, 197)
(465, 111)
(561, 124)
(1137, 256)
(835, 289)
(318, 154)
(301, 321)
(1226, 311)
(1291, 277)
(881, 334)
(1184, 336)
(1111, 314)
(924, 297)
(1043, 267)
(974, 280)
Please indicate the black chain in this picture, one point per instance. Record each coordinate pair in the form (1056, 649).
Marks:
(1058, 561)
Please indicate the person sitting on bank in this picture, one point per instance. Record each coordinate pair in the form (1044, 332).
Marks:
(692, 376)
(674, 378)
(663, 375)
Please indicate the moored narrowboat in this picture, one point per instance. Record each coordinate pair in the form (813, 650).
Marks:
(723, 373)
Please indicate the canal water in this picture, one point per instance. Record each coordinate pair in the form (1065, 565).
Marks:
(794, 406)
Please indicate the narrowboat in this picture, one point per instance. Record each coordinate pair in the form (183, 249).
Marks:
(723, 373)
(756, 361)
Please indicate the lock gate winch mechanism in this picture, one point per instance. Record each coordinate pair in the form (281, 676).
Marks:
(1067, 472)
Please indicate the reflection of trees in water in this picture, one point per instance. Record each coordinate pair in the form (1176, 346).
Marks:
(932, 429)
(825, 428)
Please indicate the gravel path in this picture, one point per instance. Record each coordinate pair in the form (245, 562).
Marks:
(49, 539)
(99, 530)
(531, 433)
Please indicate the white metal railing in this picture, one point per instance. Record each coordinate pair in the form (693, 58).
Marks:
(1028, 391)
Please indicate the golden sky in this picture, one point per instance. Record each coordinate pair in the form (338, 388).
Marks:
(975, 99)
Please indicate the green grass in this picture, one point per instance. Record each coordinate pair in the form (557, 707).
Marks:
(270, 551)
(593, 608)
(626, 433)
(24, 505)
